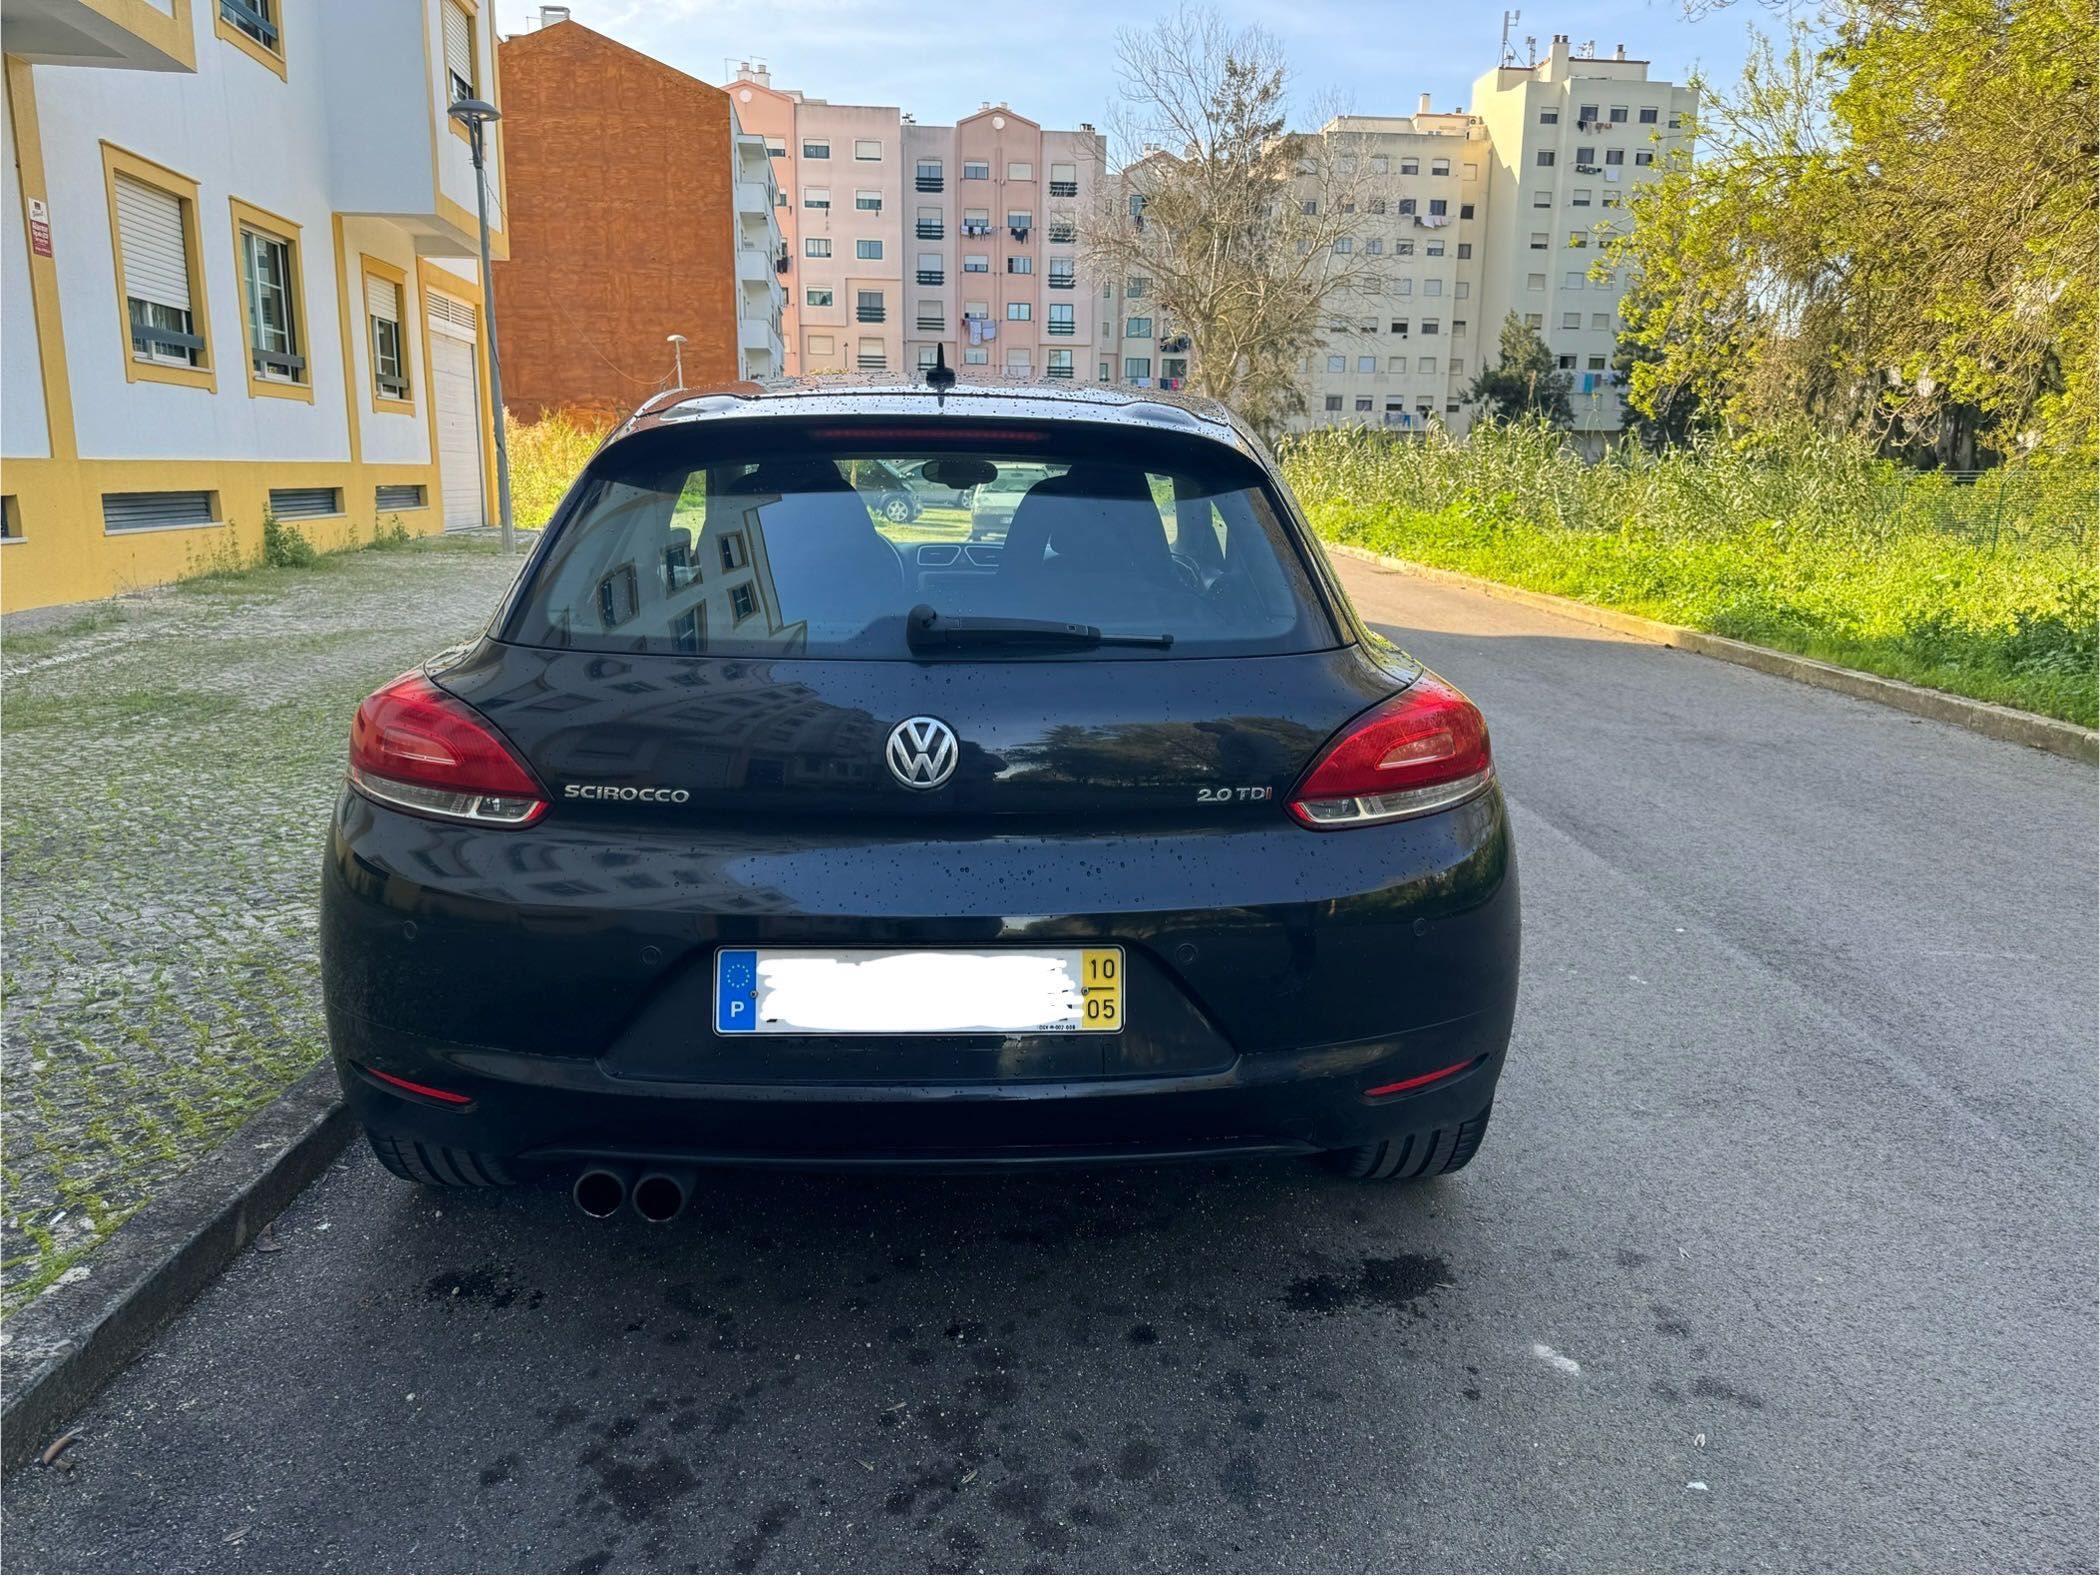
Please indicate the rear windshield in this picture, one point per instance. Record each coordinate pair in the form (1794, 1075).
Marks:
(821, 544)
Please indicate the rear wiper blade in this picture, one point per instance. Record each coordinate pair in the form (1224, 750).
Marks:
(927, 630)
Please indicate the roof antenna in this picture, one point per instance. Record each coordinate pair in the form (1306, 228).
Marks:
(940, 377)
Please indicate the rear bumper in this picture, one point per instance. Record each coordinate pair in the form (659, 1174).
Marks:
(561, 1111)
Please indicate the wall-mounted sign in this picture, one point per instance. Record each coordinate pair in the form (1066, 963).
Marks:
(39, 227)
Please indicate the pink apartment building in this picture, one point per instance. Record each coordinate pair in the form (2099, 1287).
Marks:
(904, 238)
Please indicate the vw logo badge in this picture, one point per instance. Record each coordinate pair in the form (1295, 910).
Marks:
(922, 752)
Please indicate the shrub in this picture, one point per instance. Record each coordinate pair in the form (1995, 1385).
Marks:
(283, 547)
(545, 457)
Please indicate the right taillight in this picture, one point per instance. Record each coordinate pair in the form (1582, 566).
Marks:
(417, 748)
(1424, 749)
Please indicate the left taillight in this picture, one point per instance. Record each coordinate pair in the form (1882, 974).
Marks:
(417, 748)
(1423, 750)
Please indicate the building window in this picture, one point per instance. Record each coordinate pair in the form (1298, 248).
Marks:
(1378, 164)
(1137, 367)
(1334, 402)
(1022, 264)
(1534, 281)
(977, 221)
(1572, 280)
(1403, 248)
(1462, 289)
(1403, 286)
(976, 356)
(816, 150)
(1410, 166)
(1614, 155)
(1644, 157)
(742, 604)
(1542, 199)
(1648, 115)
(269, 257)
(1344, 245)
(1580, 197)
(868, 251)
(868, 306)
(1058, 363)
(1465, 250)
(1064, 180)
(1432, 287)
(1337, 363)
(1367, 363)
(1540, 240)
(823, 344)
(1397, 326)
(1426, 364)
(731, 543)
(1061, 318)
(1595, 363)
(1458, 328)
(1432, 325)
(1017, 361)
(1363, 402)
(933, 316)
(252, 27)
(1439, 166)
(1062, 274)
(1579, 239)
(929, 225)
(154, 227)
(816, 295)
(1407, 206)
(1019, 311)
(977, 263)
(928, 356)
(932, 269)
(1600, 322)
(1570, 320)
(1105, 370)
(1375, 247)
(150, 511)
(385, 312)
(1564, 363)
(867, 150)
(1433, 249)
(1534, 320)
(816, 246)
(1549, 117)
(1465, 210)
(462, 63)
(1588, 112)
(1545, 158)
(1136, 285)
(1585, 157)
(1138, 328)
(10, 518)
(1020, 222)
(816, 196)
(977, 169)
(867, 202)
(1676, 121)
(1019, 170)
(1438, 206)
(928, 177)
(1618, 114)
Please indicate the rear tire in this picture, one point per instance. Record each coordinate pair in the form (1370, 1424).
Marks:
(433, 1165)
(1414, 1156)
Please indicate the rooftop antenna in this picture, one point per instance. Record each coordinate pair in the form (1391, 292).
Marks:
(1531, 49)
(1509, 20)
(940, 377)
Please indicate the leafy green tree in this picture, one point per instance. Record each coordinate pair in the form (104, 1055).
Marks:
(1525, 382)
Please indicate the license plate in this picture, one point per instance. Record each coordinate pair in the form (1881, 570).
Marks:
(798, 990)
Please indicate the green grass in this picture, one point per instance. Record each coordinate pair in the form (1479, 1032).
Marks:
(1990, 590)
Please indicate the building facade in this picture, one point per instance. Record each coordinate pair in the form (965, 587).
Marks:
(601, 137)
(1501, 208)
(906, 242)
(238, 246)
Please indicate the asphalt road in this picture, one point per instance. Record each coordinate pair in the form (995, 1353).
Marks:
(1780, 1254)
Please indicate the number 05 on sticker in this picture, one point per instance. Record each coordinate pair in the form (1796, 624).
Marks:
(799, 990)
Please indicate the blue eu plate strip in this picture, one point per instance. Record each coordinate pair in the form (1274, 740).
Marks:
(736, 992)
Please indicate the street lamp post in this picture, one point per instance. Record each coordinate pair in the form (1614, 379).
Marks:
(677, 342)
(475, 114)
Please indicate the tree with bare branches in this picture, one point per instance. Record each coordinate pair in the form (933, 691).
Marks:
(1243, 230)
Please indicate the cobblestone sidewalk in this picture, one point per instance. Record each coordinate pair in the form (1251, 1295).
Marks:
(169, 764)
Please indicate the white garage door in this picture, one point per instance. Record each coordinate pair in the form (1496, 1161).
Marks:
(455, 377)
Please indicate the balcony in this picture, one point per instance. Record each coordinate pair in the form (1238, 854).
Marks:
(870, 314)
(752, 197)
(931, 231)
(873, 363)
(1057, 372)
(1064, 188)
(930, 183)
(1063, 234)
(931, 276)
(932, 325)
(1064, 282)
(757, 333)
(78, 33)
(971, 228)
(1063, 328)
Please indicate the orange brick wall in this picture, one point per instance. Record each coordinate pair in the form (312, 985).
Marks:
(622, 228)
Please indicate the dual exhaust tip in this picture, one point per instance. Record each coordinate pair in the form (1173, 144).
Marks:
(657, 1195)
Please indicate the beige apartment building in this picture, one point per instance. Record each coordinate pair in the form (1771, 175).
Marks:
(904, 241)
(1497, 209)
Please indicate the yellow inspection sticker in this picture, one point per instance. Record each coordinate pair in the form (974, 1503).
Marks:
(1101, 981)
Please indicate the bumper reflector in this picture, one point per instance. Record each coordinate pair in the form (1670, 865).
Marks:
(1416, 1083)
(445, 1095)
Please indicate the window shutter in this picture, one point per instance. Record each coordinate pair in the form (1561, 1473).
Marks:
(382, 298)
(459, 45)
(146, 510)
(305, 503)
(156, 260)
(457, 316)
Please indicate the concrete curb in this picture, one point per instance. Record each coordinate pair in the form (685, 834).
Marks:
(1997, 722)
(63, 1347)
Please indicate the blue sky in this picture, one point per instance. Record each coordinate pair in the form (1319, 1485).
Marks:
(1054, 60)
